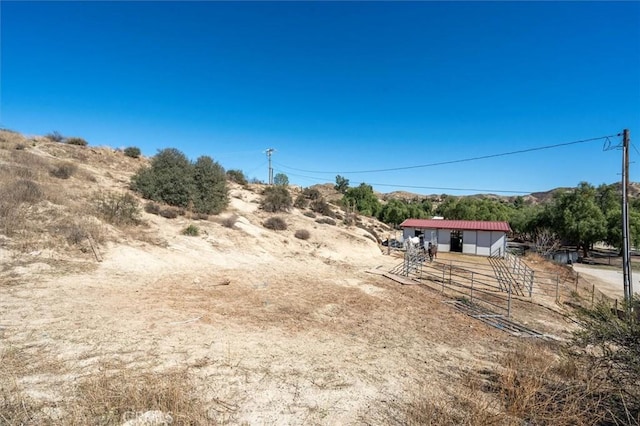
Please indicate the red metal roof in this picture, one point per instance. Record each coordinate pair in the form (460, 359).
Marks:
(469, 225)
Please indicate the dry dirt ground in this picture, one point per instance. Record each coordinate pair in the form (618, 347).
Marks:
(274, 329)
(608, 279)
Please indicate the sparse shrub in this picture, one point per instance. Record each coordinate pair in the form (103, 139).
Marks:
(301, 202)
(168, 213)
(23, 191)
(191, 230)
(312, 194)
(118, 209)
(237, 176)
(200, 216)
(132, 151)
(302, 234)
(230, 222)
(152, 208)
(15, 199)
(309, 214)
(322, 207)
(64, 170)
(21, 147)
(326, 220)
(54, 136)
(276, 199)
(276, 223)
(74, 233)
(76, 141)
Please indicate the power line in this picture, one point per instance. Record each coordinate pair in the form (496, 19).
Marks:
(463, 160)
(438, 188)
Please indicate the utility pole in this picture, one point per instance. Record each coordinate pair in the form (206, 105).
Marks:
(269, 152)
(626, 249)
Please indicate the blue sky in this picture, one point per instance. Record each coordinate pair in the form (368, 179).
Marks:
(337, 87)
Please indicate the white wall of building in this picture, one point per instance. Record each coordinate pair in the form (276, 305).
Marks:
(469, 242)
(444, 239)
(498, 243)
(482, 243)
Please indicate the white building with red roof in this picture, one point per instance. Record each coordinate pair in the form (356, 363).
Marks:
(484, 238)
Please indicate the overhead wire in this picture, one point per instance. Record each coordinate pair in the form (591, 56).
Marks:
(439, 188)
(462, 160)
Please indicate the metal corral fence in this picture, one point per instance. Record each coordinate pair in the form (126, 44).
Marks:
(497, 283)
(459, 282)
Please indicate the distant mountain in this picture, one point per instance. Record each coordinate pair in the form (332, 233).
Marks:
(328, 191)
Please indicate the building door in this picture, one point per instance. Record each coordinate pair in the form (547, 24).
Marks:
(456, 241)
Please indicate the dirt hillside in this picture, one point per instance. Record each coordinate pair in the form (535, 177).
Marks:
(269, 328)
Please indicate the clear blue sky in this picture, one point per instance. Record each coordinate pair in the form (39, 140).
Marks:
(336, 87)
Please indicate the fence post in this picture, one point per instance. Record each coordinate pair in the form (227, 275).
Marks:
(509, 301)
(472, 287)
(593, 293)
(531, 283)
(450, 268)
(577, 279)
(557, 288)
(444, 268)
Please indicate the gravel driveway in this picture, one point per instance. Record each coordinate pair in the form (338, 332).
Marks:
(609, 281)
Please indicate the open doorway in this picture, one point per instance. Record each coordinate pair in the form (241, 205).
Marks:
(456, 241)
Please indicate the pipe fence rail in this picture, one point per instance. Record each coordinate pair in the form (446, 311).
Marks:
(500, 282)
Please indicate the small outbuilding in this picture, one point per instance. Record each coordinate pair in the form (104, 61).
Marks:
(484, 238)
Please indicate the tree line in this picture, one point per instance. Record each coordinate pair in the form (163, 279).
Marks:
(579, 216)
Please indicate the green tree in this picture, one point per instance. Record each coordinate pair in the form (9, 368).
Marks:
(363, 198)
(608, 198)
(394, 212)
(281, 179)
(210, 195)
(168, 179)
(576, 217)
(342, 184)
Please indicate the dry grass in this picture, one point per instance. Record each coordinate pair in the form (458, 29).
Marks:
(114, 396)
(531, 385)
(111, 396)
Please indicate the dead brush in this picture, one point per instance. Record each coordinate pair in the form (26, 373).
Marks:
(466, 408)
(16, 197)
(115, 396)
(540, 388)
(16, 407)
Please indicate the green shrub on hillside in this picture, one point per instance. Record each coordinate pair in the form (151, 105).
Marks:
(210, 194)
(237, 176)
(191, 230)
(301, 202)
(132, 151)
(174, 180)
(276, 199)
(76, 141)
